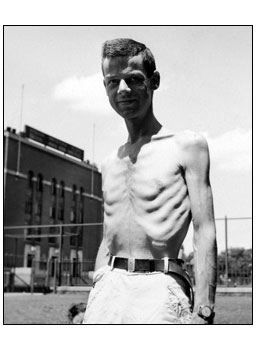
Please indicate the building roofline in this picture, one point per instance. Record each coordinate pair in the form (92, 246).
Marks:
(50, 151)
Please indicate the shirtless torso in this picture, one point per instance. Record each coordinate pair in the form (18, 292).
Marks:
(146, 201)
(156, 183)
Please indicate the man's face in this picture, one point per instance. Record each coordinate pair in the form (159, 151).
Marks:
(128, 88)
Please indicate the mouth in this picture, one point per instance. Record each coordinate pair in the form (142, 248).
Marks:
(126, 102)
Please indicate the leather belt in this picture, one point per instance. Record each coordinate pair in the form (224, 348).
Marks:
(165, 265)
(144, 265)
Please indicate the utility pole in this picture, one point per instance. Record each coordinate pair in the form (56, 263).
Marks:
(93, 143)
(93, 155)
(19, 144)
(226, 250)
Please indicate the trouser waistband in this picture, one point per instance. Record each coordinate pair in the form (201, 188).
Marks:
(165, 265)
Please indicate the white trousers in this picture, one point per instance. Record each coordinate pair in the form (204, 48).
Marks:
(121, 297)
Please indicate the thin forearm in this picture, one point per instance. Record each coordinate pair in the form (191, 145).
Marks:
(205, 259)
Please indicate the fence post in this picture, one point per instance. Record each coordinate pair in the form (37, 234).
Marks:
(55, 276)
(60, 253)
(12, 280)
(47, 272)
(226, 250)
(32, 276)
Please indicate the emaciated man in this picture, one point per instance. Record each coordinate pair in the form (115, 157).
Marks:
(154, 185)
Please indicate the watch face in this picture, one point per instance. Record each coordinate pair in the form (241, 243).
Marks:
(206, 311)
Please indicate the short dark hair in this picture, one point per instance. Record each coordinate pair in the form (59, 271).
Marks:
(129, 47)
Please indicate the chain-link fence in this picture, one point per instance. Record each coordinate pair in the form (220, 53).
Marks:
(234, 241)
(36, 273)
(47, 275)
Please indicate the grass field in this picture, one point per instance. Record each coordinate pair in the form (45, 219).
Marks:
(52, 309)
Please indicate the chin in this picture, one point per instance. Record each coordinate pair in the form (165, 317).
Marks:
(129, 116)
(126, 114)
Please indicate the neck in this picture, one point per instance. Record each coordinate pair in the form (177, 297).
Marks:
(148, 126)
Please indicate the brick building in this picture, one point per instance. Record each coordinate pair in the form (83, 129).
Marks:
(46, 182)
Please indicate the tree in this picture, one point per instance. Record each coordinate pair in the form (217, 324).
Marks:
(239, 266)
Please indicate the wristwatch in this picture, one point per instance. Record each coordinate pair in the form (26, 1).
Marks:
(206, 312)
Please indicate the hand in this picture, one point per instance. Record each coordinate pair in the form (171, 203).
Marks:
(197, 320)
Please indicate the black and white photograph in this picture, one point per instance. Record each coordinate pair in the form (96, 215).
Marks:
(127, 174)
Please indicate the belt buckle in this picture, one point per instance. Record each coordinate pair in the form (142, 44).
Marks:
(112, 262)
(166, 265)
(131, 264)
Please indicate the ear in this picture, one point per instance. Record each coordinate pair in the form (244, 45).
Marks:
(155, 80)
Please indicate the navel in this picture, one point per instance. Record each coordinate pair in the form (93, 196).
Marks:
(159, 244)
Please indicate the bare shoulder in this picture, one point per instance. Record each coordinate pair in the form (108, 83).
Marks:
(189, 140)
(184, 139)
(194, 150)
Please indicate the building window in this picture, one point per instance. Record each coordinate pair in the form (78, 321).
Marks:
(39, 184)
(38, 205)
(72, 216)
(81, 206)
(52, 231)
(38, 234)
(54, 187)
(74, 193)
(30, 259)
(62, 189)
(29, 194)
(81, 217)
(52, 212)
(30, 179)
(80, 236)
(29, 202)
(27, 231)
(28, 206)
(38, 210)
(61, 214)
(61, 201)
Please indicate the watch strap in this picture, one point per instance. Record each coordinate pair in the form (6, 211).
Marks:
(206, 318)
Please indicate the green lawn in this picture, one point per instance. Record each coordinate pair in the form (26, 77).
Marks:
(233, 309)
(52, 309)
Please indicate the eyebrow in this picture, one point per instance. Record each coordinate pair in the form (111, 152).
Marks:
(110, 76)
(129, 74)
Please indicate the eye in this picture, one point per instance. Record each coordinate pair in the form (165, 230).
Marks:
(135, 80)
(112, 82)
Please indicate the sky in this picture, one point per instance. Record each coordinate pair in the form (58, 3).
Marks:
(206, 86)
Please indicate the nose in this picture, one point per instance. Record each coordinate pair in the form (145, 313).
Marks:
(123, 87)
